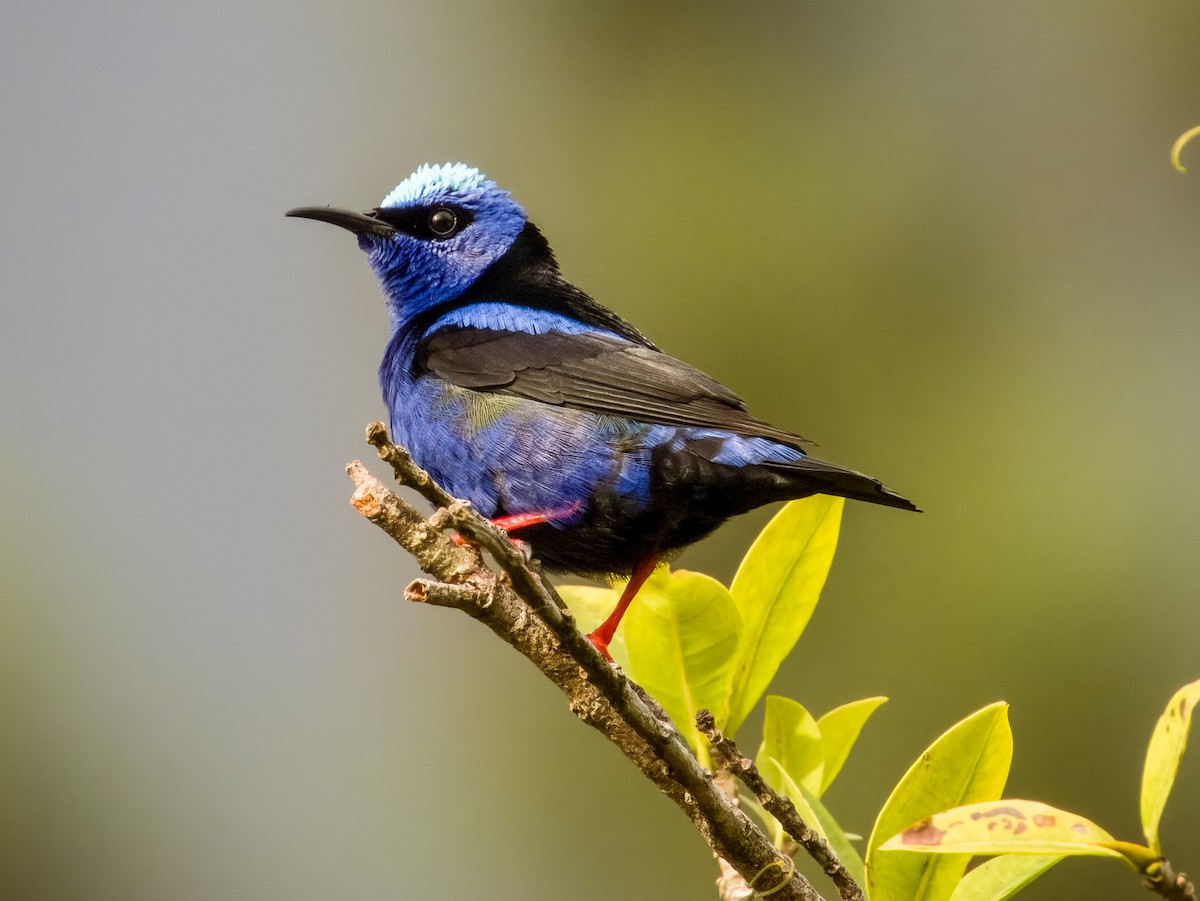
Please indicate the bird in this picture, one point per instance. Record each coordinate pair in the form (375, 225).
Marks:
(556, 418)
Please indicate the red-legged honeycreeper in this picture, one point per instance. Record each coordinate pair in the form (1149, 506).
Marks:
(551, 414)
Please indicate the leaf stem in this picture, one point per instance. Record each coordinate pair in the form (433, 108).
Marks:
(1177, 148)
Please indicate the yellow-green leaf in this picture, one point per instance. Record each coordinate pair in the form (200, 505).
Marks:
(1004, 827)
(775, 589)
(839, 730)
(968, 763)
(591, 606)
(1162, 758)
(681, 635)
(791, 740)
(1000, 878)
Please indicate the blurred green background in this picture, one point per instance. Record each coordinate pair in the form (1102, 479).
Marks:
(942, 239)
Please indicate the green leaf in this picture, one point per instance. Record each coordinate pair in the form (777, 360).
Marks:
(591, 606)
(967, 763)
(1004, 827)
(839, 730)
(775, 589)
(1000, 878)
(681, 635)
(836, 837)
(1162, 758)
(791, 741)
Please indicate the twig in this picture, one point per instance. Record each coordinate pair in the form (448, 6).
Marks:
(1162, 879)
(525, 612)
(781, 808)
(458, 515)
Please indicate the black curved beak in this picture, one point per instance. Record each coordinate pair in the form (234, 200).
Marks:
(359, 223)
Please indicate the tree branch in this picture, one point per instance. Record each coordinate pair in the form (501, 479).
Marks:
(523, 610)
(780, 807)
(1162, 879)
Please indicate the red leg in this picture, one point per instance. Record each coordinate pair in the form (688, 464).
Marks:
(607, 629)
(515, 521)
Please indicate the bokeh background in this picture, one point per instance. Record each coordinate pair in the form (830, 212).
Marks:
(943, 239)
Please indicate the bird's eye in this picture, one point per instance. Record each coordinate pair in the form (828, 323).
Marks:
(443, 222)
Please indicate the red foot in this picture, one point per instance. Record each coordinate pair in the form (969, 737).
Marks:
(600, 645)
(602, 637)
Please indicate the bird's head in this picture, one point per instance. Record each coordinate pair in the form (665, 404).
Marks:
(433, 235)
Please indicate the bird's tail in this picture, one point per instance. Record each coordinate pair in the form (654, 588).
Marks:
(828, 478)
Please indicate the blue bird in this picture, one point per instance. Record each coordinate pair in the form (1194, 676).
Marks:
(552, 415)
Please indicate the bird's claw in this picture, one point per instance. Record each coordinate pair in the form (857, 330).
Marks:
(600, 645)
(525, 549)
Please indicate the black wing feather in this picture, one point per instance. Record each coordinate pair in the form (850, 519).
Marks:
(597, 372)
